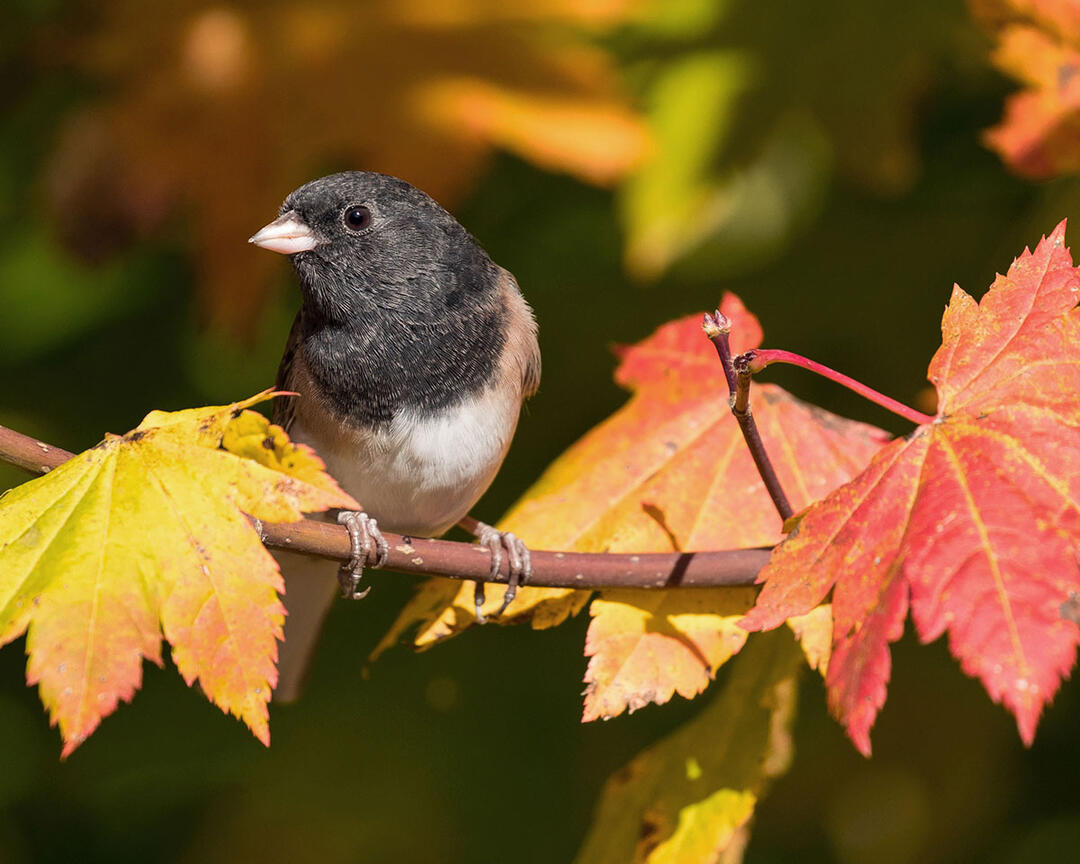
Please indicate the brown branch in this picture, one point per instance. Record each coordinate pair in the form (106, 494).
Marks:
(469, 560)
(29, 453)
(718, 328)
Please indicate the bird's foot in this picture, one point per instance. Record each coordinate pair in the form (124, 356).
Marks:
(369, 548)
(520, 565)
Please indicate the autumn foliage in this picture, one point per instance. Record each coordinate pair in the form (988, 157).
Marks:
(1038, 44)
(669, 471)
(261, 91)
(705, 137)
(145, 536)
(971, 522)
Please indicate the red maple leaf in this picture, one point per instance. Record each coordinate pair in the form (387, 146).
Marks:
(972, 520)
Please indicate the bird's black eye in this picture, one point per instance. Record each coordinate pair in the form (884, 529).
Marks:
(358, 217)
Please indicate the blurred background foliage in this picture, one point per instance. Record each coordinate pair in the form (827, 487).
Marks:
(628, 160)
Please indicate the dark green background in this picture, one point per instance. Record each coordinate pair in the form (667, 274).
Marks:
(474, 752)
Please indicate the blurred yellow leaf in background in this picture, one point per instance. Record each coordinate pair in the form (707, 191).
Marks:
(688, 797)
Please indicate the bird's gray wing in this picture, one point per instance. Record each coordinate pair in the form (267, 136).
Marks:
(310, 583)
(284, 409)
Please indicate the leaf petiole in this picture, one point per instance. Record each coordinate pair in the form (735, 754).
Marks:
(758, 358)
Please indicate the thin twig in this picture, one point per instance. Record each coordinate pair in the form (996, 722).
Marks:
(741, 403)
(734, 567)
(758, 358)
(718, 328)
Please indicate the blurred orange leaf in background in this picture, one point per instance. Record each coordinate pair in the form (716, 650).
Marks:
(226, 108)
(1038, 43)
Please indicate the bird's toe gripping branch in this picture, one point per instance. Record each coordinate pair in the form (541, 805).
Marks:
(519, 559)
(369, 548)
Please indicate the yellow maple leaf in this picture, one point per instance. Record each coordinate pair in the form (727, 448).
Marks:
(645, 646)
(688, 797)
(814, 630)
(146, 534)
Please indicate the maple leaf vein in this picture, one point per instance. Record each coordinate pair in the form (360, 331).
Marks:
(1000, 386)
(1017, 448)
(826, 543)
(1022, 321)
(91, 632)
(618, 497)
(791, 457)
(991, 557)
(734, 445)
(843, 455)
(895, 567)
(72, 495)
(208, 572)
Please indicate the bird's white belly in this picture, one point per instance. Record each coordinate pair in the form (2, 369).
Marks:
(422, 474)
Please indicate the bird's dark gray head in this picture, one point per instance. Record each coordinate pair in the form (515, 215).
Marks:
(361, 240)
(401, 306)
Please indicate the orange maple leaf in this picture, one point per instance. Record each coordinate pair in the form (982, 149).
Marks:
(973, 520)
(668, 471)
(645, 646)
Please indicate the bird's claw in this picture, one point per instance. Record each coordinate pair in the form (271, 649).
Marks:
(520, 565)
(369, 548)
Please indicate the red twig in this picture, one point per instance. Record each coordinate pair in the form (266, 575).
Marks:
(758, 358)
(469, 560)
(718, 328)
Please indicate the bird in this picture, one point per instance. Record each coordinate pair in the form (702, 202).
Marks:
(410, 356)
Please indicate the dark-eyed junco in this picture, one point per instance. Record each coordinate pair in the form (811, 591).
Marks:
(411, 354)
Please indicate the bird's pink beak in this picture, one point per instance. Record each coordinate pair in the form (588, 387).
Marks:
(288, 234)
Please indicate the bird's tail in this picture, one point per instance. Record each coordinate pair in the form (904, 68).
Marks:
(310, 587)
